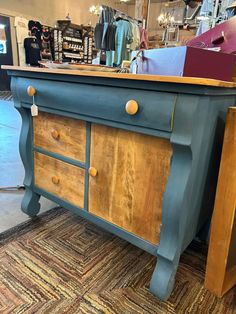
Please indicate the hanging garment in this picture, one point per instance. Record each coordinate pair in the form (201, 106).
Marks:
(203, 27)
(136, 37)
(207, 8)
(143, 38)
(21, 25)
(32, 51)
(112, 37)
(224, 5)
(35, 28)
(105, 30)
(124, 38)
(98, 32)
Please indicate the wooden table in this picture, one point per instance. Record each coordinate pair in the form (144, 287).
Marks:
(135, 154)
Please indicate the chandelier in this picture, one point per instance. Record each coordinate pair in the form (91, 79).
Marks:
(95, 9)
(165, 19)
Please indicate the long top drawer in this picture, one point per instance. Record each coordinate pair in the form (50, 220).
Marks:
(155, 109)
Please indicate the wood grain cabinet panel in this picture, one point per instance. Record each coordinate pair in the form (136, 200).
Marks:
(132, 172)
(59, 178)
(61, 135)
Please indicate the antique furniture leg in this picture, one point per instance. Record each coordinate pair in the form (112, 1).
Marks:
(171, 240)
(30, 203)
(187, 181)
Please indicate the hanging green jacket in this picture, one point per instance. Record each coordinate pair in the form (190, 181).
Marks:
(124, 37)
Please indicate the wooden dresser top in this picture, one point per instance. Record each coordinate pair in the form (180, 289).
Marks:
(127, 76)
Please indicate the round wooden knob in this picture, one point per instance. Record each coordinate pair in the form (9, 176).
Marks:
(55, 180)
(31, 91)
(93, 172)
(131, 107)
(55, 134)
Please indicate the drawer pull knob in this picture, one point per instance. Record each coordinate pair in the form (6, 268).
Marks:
(131, 107)
(31, 91)
(55, 180)
(55, 134)
(93, 172)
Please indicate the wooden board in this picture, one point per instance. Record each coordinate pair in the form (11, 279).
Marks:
(128, 76)
(71, 179)
(221, 261)
(132, 174)
(71, 141)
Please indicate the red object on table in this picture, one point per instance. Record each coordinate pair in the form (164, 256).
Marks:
(185, 61)
(222, 35)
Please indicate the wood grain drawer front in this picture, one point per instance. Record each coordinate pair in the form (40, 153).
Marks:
(59, 178)
(131, 175)
(61, 135)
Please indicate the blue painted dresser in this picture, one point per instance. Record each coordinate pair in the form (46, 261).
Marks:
(137, 155)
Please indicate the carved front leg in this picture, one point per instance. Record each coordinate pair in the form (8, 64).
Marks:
(30, 203)
(173, 223)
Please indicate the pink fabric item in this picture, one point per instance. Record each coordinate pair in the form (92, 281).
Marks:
(143, 38)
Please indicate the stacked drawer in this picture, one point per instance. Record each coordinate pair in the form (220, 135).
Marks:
(60, 156)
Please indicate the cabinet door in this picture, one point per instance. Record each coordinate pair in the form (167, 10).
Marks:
(128, 187)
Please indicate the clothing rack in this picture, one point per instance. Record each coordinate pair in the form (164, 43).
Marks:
(118, 13)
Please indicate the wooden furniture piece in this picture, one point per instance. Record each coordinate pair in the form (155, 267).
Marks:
(221, 261)
(135, 154)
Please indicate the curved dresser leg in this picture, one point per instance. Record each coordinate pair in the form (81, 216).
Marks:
(30, 204)
(174, 215)
(163, 277)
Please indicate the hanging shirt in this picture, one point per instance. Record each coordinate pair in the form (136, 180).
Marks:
(124, 38)
(143, 38)
(105, 30)
(32, 51)
(203, 27)
(136, 37)
(207, 8)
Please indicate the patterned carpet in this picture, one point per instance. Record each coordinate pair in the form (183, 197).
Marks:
(59, 263)
(6, 95)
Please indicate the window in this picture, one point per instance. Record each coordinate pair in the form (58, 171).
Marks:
(3, 42)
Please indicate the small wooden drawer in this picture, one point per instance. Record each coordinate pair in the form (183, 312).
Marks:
(59, 178)
(61, 135)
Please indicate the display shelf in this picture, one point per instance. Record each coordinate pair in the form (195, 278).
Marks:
(77, 42)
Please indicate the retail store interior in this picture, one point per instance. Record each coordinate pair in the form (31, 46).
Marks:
(117, 156)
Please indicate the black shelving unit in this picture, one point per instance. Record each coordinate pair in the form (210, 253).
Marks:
(77, 42)
(57, 51)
